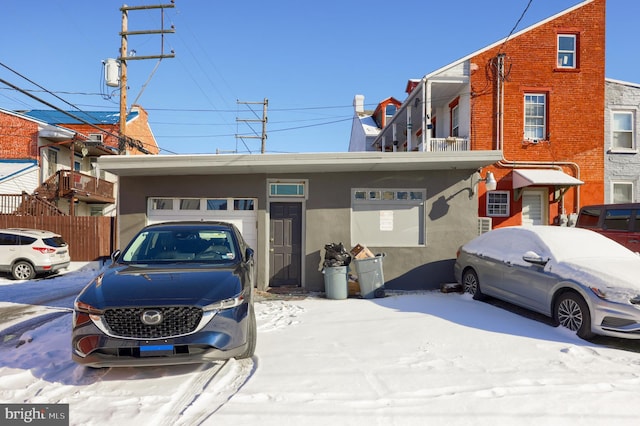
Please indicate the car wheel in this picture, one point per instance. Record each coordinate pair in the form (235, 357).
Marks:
(379, 292)
(23, 270)
(471, 285)
(252, 334)
(572, 312)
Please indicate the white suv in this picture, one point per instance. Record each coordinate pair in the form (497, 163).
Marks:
(29, 252)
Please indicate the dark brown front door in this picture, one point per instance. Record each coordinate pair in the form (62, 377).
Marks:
(285, 245)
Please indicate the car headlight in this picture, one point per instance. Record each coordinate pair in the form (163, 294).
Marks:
(232, 302)
(86, 308)
(612, 295)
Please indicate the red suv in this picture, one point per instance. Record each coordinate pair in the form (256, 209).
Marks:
(620, 222)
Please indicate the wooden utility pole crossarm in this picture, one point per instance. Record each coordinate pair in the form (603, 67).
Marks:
(124, 57)
(263, 137)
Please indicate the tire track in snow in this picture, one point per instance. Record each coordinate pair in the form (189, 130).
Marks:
(208, 392)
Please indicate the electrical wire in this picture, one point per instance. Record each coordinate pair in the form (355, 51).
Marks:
(515, 26)
(41, 87)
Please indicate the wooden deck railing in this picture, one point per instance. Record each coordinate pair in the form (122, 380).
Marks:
(27, 205)
(65, 183)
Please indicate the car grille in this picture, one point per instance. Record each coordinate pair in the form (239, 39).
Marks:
(616, 322)
(177, 321)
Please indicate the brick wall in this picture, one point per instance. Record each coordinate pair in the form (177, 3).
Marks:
(18, 138)
(575, 104)
(139, 129)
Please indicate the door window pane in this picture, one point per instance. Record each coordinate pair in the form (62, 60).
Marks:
(287, 189)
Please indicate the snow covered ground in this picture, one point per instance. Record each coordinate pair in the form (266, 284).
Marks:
(407, 359)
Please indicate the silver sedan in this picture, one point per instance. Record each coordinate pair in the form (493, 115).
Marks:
(584, 281)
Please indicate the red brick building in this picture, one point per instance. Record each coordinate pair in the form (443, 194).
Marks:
(567, 134)
(539, 97)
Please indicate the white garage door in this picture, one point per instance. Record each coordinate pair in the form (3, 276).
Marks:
(239, 211)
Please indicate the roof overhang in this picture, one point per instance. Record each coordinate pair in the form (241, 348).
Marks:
(212, 164)
(561, 181)
(56, 133)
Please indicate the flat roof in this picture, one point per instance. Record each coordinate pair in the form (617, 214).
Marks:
(214, 164)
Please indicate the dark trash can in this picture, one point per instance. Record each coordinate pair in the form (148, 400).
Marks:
(335, 282)
(370, 276)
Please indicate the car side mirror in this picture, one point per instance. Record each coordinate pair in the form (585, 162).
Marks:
(115, 255)
(534, 258)
(248, 255)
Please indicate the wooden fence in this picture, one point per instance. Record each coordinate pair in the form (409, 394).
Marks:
(89, 237)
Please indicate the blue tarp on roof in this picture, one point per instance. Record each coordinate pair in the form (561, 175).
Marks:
(93, 117)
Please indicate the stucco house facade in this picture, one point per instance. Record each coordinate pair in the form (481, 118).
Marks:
(537, 96)
(418, 208)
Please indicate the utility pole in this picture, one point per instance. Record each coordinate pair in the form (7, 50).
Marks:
(124, 57)
(263, 137)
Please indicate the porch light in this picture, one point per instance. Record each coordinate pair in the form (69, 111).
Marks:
(490, 183)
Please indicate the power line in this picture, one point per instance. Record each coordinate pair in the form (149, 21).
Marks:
(270, 131)
(139, 145)
(40, 87)
(515, 26)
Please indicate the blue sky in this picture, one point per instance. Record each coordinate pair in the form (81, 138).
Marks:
(308, 59)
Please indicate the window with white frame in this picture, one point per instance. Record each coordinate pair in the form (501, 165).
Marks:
(388, 217)
(210, 205)
(622, 130)
(287, 189)
(622, 192)
(189, 204)
(567, 50)
(389, 111)
(455, 120)
(244, 204)
(217, 204)
(498, 203)
(52, 163)
(535, 116)
(162, 204)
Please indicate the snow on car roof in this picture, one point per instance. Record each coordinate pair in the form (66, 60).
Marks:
(564, 242)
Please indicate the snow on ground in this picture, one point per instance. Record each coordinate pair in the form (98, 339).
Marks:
(406, 359)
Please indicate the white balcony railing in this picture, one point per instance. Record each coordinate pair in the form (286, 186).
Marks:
(448, 144)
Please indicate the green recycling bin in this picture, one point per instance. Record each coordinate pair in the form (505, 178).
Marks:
(335, 282)
(370, 276)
